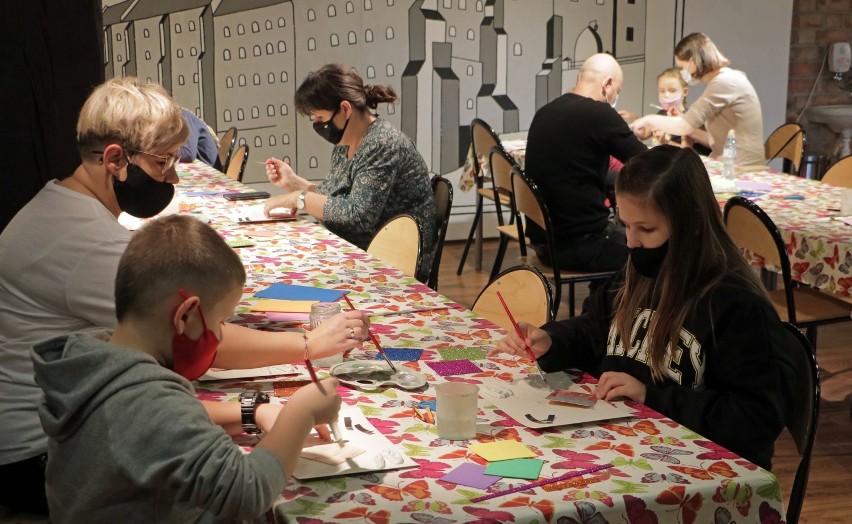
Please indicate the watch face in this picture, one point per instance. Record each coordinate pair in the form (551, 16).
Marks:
(300, 202)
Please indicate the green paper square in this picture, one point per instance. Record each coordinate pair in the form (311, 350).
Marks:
(240, 242)
(523, 468)
(462, 354)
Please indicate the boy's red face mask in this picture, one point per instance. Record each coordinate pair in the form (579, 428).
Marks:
(194, 357)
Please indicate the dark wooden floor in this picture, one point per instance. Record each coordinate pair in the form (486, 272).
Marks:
(829, 495)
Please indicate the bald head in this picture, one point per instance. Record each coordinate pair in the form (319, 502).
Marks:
(600, 78)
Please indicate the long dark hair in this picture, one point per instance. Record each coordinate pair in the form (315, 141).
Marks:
(328, 86)
(674, 181)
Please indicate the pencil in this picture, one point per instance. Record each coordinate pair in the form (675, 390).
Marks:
(373, 338)
(521, 336)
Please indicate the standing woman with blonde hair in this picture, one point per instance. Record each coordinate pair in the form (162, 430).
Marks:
(686, 327)
(376, 171)
(728, 102)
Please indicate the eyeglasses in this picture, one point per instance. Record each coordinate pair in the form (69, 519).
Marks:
(169, 160)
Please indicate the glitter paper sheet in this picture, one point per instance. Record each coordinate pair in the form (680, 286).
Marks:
(401, 354)
(454, 367)
(462, 353)
(285, 388)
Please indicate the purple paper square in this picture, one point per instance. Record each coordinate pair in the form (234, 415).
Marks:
(401, 354)
(454, 367)
(472, 475)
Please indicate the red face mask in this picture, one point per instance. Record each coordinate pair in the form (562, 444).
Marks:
(193, 357)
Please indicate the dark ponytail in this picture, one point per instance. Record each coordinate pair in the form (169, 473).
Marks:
(328, 86)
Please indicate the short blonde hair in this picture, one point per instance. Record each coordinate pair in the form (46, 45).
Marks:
(135, 115)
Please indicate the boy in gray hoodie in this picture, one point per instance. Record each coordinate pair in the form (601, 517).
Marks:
(128, 440)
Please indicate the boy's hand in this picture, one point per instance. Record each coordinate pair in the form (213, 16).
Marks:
(321, 399)
(534, 338)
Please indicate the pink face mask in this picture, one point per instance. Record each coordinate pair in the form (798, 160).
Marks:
(671, 102)
(193, 357)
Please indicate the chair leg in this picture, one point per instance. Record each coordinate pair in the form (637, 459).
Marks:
(498, 260)
(571, 299)
(811, 334)
(476, 217)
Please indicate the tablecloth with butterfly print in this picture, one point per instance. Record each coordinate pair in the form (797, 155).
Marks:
(662, 471)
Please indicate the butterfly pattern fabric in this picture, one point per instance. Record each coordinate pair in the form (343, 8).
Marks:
(661, 472)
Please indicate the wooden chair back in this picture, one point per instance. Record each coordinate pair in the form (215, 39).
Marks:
(398, 243)
(500, 164)
(442, 189)
(526, 291)
(839, 173)
(482, 138)
(237, 165)
(788, 141)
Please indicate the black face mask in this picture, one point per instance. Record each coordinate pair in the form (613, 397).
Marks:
(648, 261)
(329, 131)
(140, 195)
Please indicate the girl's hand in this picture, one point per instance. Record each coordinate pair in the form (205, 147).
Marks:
(534, 338)
(280, 174)
(340, 333)
(613, 384)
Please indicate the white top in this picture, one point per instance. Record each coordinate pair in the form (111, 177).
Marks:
(730, 102)
(58, 260)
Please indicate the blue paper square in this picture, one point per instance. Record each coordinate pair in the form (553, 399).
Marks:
(282, 291)
(401, 354)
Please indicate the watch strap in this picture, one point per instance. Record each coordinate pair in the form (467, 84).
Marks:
(249, 401)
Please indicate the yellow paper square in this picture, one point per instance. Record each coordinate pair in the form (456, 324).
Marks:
(283, 306)
(502, 450)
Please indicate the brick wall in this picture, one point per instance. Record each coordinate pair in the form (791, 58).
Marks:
(817, 24)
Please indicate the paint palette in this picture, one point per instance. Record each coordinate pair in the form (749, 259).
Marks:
(370, 375)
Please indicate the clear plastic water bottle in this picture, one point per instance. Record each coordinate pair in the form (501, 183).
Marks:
(729, 156)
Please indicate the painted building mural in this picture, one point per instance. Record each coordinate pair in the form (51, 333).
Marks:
(238, 62)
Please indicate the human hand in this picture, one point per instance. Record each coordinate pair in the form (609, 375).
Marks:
(286, 201)
(280, 174)
(531, 337)
(642, 128)
(614, 384)
(628, 116)
(340, 333)
(320, 399)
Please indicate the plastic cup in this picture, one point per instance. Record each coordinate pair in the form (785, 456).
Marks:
(456, 410)
(320, 312)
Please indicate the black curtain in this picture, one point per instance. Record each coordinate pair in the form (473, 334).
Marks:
(50, 59)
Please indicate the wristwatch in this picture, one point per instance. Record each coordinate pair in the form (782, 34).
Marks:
(248, 405)
(300, 203)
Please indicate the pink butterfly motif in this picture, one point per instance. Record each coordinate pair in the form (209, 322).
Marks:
(574, 460)
(428, 469)
(666, 454)
(385, 427)
(309, 520)
(768, 514)
(427, 518)
(638, 512)
(301, 491)
(486, 516)
(396, 439)
(716, 452)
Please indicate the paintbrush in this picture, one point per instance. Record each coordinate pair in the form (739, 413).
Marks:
(335, 430)
(521, 336)
(373, 338)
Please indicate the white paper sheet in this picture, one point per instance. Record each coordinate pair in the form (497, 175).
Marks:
(527, 404)
(267, 371)
(357, 431)
(254, 213)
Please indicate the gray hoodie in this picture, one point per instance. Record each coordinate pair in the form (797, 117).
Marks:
(129, 442)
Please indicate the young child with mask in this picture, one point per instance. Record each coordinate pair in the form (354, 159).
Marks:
(685, 328)
(127, 435)
(376, 171)
(672, 91)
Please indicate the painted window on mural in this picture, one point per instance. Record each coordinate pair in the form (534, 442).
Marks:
(451, 31)
(352, 38)
(242, 52)
(311, 15)
(229, 81)
(270, 78)
(371, 72)
(272, 140)
(258, 142)
(368, 35)
(335, 40)
(350, 7)
(282, 47)
(191, 25)
(256, 79)
(389, 70)
(226, 116)
(285, 139)
(270, 110)
(240, 29)
(284, 110)
(368, 5)
(283, 76)
(268, 25)
(312, 44)
(255, 27)
(389, 33)
(226, 31)
(270, 48)
(255, 112)
(313, 162)
(282, 22)
(226, 54)
(241, 80)
(516, 49)
(256, 50)
(180, 53)
(332, 11)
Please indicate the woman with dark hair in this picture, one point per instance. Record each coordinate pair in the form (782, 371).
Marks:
(376, 171)
(685, 327)
(728, 102)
